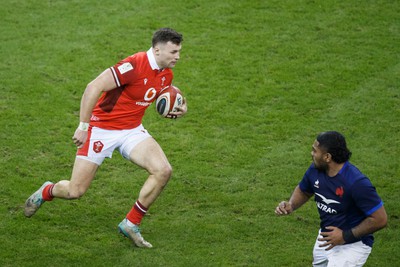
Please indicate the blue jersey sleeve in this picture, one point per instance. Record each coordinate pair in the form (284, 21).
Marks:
(365, 196)
(306, 183)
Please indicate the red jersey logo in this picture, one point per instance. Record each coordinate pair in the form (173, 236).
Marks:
(340, 191)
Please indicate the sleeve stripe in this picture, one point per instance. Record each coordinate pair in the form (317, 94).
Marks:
(374, 209)
(115, 77)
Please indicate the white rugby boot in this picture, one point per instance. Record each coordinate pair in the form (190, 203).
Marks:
(33, 203)
(133, 233)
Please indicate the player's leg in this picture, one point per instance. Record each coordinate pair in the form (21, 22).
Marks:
(89, 158)
(148, 155)
(320, 255)
(82, 175)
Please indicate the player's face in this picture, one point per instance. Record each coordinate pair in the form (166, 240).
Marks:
(167, 54)
(319, 157)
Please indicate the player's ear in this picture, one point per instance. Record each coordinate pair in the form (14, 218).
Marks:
(328, 157)
(156, 50)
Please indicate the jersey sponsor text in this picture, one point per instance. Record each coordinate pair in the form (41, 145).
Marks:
(325, 208)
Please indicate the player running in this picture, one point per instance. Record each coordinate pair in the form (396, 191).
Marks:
(114, 121)
(348, 204)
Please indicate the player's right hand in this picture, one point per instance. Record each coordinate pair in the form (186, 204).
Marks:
(80, 137)
(284, 208)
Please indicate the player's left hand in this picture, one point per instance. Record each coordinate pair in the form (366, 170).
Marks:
(182, 109)
(332, 238)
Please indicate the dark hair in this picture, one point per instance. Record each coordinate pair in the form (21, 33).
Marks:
(165, 35)
(334, 143)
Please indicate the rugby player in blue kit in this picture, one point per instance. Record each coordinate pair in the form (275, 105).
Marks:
(349, 207)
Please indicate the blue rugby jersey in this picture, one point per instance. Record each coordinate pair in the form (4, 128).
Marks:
(344, 200)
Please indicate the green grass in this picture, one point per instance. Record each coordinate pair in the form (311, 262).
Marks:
(262, 78)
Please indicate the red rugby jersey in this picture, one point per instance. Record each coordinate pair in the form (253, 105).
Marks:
(139, 80)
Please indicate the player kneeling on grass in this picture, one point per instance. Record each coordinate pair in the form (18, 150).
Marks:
(348, 204)
(114, 121)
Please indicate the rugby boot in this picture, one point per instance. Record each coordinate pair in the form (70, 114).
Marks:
(133, 233)
(33, 203)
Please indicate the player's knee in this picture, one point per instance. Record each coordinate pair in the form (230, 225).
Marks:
(75, 193)
(167, 171)
(164, 173)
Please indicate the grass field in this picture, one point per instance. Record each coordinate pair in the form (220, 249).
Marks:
(262, 79)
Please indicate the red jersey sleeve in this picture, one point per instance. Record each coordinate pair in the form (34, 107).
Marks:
(123, 71)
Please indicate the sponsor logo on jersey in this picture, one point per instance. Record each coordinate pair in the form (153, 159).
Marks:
(150, 94)
(327, 201)
(325, 208)
(144, 104)
(94, 118)
(316, 184)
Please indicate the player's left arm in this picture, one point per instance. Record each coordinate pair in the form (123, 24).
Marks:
(368, 200)
(371, 224)
(374, 222)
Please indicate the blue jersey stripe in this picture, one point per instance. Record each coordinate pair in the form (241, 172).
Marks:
(374, 209)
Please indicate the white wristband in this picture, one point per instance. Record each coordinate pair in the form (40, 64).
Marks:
(83, 126)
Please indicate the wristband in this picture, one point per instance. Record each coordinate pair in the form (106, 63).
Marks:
(348, 236)
(83, 126)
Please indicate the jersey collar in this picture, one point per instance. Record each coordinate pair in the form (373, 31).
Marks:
(152, 60)
(343, 167)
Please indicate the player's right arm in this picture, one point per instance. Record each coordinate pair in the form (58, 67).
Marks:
(102, 83)
(297, 199)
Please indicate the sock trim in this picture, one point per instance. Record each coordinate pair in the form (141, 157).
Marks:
(139, 207)
(47, 193)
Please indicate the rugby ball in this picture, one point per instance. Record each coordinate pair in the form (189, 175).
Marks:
(168, 100)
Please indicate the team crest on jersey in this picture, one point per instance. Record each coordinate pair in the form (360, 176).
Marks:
(340, 191)
(163, 80)
(98, 146)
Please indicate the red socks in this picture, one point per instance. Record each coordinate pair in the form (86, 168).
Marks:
(47, 193)
(136, 214)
